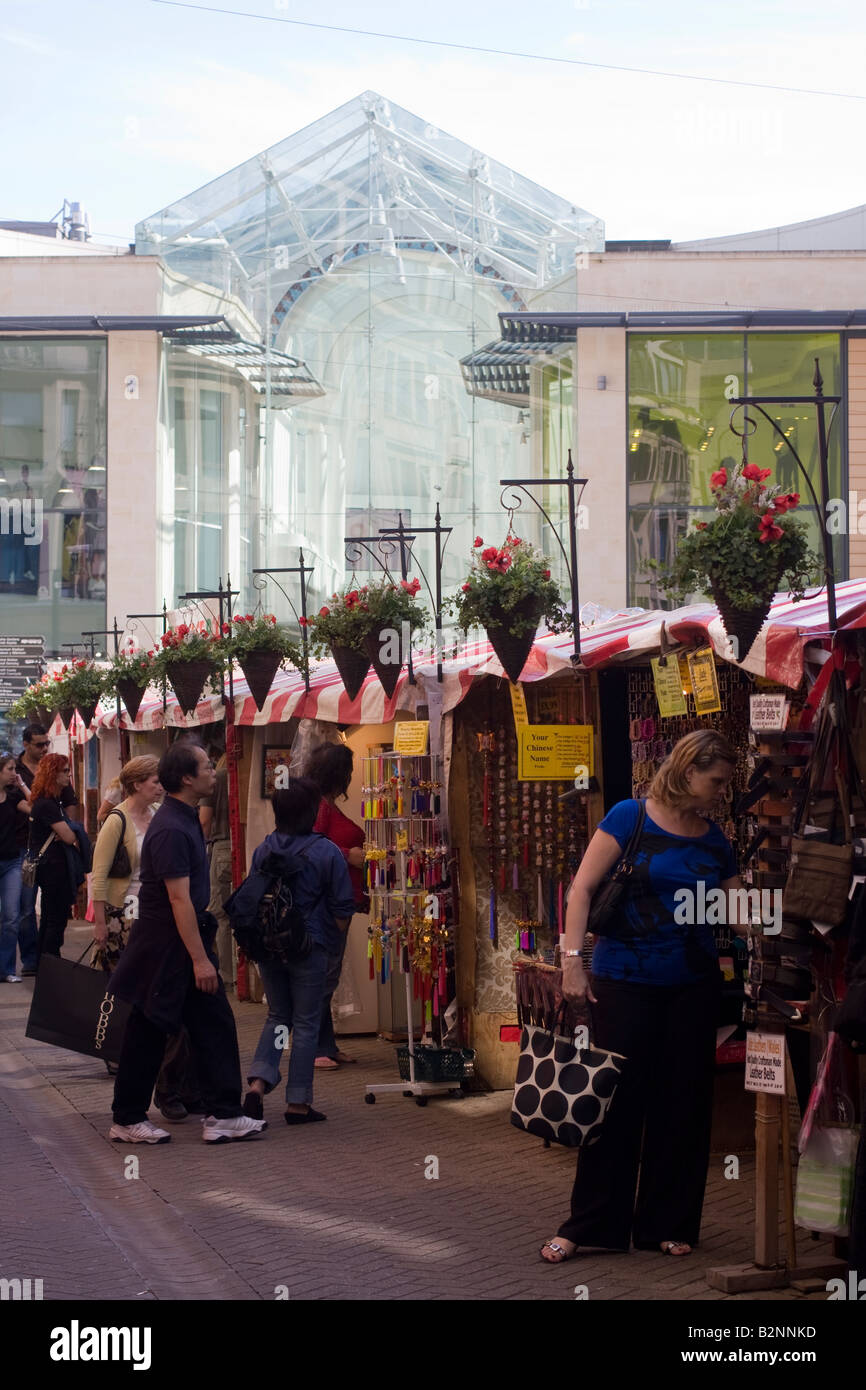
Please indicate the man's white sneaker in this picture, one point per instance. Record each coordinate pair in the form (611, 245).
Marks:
(142, 1133)
(238, 1127)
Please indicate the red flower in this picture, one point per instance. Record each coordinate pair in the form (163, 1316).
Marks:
(324, 612)
(302, 621)
(466, 588)
(411, 587)
(226, 628)
(719, 478)
(700, 526)
(785, 501)
(478, 541)
(513, 540)
(756, 474)
(769, 530)
(546, 574)
(489, 554)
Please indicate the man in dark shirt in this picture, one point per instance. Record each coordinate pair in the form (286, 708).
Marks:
(36, 745)
(168, 971)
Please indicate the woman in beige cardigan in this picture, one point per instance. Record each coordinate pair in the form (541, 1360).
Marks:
(116, 897)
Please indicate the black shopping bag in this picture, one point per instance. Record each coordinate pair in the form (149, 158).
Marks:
(71, 1008)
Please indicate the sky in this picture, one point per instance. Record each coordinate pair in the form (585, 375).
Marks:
(127, 105)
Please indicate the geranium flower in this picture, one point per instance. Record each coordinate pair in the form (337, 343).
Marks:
(769, 530)
(756, 474)
(786, 501)
(302, 621)
(546, 574)
(700, 526)
(489, 554)
(719, 478)
(466, 588)
(324, 612)
(478, 541)
(411, 587)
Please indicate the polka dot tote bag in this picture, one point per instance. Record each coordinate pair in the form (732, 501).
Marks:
(562, 1091)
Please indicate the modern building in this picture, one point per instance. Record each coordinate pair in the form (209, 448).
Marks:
(372, 318)
(661, 337)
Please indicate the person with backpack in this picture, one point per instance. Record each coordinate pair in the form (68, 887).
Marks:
(305, 902)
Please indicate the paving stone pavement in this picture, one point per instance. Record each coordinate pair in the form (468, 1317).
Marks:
(342, 1210)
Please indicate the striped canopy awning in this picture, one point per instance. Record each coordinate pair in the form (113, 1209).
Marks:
(778, 654)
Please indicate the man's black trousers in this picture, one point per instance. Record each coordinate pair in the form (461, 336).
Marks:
(210, 1023)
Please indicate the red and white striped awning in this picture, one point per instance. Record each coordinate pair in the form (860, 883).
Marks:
(778, 654)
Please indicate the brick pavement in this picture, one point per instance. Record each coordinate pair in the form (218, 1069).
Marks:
(335, 1211)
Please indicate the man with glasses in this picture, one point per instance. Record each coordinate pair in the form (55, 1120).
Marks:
(36, 745)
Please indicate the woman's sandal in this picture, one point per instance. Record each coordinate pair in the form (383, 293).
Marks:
(677, 1248)
(561, 1253)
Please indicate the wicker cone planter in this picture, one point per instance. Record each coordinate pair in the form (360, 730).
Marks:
(66, 712)
(388, 673)
(188, 679)
(742, 624)
(259, 668)
(86, 713)
(132, 696)
(513, 651)
(44, 716)
(352, 665)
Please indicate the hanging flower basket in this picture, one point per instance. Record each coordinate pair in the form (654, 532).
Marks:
(508, 591)
(513, 649)
(352, 666)
(259, 667)
(87, 712)
(742, 557)
(131, 695)
(188, 679)
(387, 672)
(66, 713)
(358, 623)
(44, 716)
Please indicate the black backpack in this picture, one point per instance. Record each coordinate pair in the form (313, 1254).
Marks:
(268, 925)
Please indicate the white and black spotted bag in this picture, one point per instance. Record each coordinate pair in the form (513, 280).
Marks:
(562, 1093)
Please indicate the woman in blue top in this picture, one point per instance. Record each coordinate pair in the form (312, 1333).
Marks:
(654, 993)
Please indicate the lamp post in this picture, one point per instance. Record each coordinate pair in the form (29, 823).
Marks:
(572, 484)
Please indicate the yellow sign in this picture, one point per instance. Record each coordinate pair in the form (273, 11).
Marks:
(685, 674)
(705, 685)
(412, 737)
(402, 841)
(553, 752)
(547, 707)
(518, 704)
(669, 690)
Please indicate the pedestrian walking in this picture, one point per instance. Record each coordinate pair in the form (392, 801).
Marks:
(322, 891)
(330, 766)
(14, 807)
(653, 994)
(36, 745)
(61, 848)
(168, 971)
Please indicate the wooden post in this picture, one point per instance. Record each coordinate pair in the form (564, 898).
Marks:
(767, 1125)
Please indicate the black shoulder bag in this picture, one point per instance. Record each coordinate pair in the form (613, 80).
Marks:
(120, 865)
(606, 898)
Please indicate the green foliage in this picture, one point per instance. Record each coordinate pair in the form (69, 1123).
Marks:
(504, 579)
(135, 666)
(250, 633)
(360, 612)
(753, 547)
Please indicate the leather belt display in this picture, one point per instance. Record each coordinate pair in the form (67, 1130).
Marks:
(782, 976)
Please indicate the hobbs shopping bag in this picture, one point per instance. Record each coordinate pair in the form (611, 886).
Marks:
(562, 1092)
(71, 1008)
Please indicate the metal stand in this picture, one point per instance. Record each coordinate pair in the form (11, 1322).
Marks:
(419, 1089)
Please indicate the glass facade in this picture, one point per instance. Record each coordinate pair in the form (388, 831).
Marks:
(209, 476)
(379, 251)
(52, 488)
(679, 393)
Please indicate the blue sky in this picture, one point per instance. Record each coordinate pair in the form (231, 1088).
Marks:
(126, 105)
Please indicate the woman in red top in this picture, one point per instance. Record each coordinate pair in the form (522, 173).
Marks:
(330, 767)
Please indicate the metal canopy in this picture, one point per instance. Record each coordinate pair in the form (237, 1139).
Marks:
(500, 370)
(289, 377)
(119, 323)
(369, 179)
(562, 327)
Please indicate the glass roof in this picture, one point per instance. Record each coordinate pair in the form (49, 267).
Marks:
(369, 179)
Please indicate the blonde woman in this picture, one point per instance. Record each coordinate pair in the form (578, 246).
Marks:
(653, 996)
(126, 825)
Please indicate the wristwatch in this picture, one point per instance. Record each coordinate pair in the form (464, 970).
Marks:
(571, 953)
